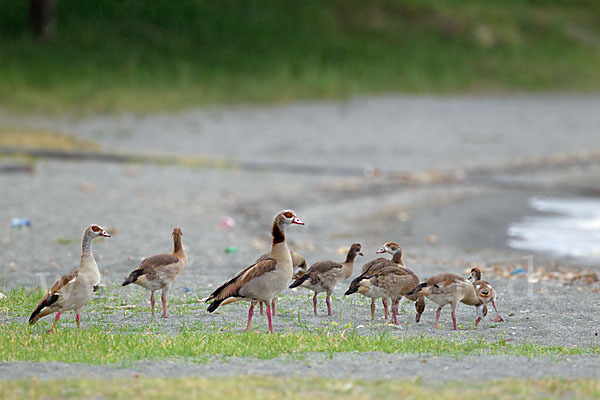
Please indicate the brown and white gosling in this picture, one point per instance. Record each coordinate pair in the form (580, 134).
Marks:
(159, 272)
(396, 251)
(265, 279)
(368, 270)
(450, 289)
(324, 276)
(485, 291)
(395, 282)
(75, 289)
(374, 292)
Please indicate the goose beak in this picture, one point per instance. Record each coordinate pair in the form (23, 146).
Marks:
(105, 234)
(380, 251)
(297, 220)
(361, 254)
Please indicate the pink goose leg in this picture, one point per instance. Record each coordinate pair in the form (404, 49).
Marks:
(372, 309)
(454, 318)
(273, 307)
(250, 314)
(152, 301)
(77, 318)
(56, 318)
(163, 297)
(498, 317)
(328, 301)
(269, 319)
(385, 308)
(437, 316)
(395, 312)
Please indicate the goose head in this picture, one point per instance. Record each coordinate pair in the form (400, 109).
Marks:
(391, 248)
(93, 231)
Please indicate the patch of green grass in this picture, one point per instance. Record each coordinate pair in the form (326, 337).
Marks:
(127, 55)
(265, 388)
(109, 343)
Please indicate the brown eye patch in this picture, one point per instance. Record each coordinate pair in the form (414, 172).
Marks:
(96, 228)
(288, 214)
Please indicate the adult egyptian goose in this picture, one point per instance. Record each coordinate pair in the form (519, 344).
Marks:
(159, 272)
(324, 276)
(299, 264)
(265, 279)
(485, 291)
(450, 289)
(73, 290)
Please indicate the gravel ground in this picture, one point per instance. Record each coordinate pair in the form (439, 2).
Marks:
(364, 366)
(142, 203)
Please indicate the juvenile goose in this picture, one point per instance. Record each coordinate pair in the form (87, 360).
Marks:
(73, 290)
(368, 270)
(391, 279)
(299, 264)
(372, 267)
(485, 291)
(159, 271)
(450, 289)
(396, 251)
(324, 276)
(263, 280)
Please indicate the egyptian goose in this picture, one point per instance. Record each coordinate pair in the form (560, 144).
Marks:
(368, 270)
(159, 271)
(395, 282)
(450, 289)
(299, 264)
(485, 291)
(265, 279)
(324, 276)
(73, 290)
(373, 266)
(396, 251)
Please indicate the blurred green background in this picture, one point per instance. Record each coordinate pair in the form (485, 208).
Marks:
(107, 56)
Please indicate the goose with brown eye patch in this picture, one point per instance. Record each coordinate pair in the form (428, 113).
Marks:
(485, 291)
(159, 272)
(73, 290)
(299, 265)
(324, 276)
(265, 279)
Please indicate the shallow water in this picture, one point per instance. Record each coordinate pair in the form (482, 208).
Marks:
(564, 227)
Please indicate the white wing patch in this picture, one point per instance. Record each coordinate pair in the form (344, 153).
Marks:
(72, 280)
